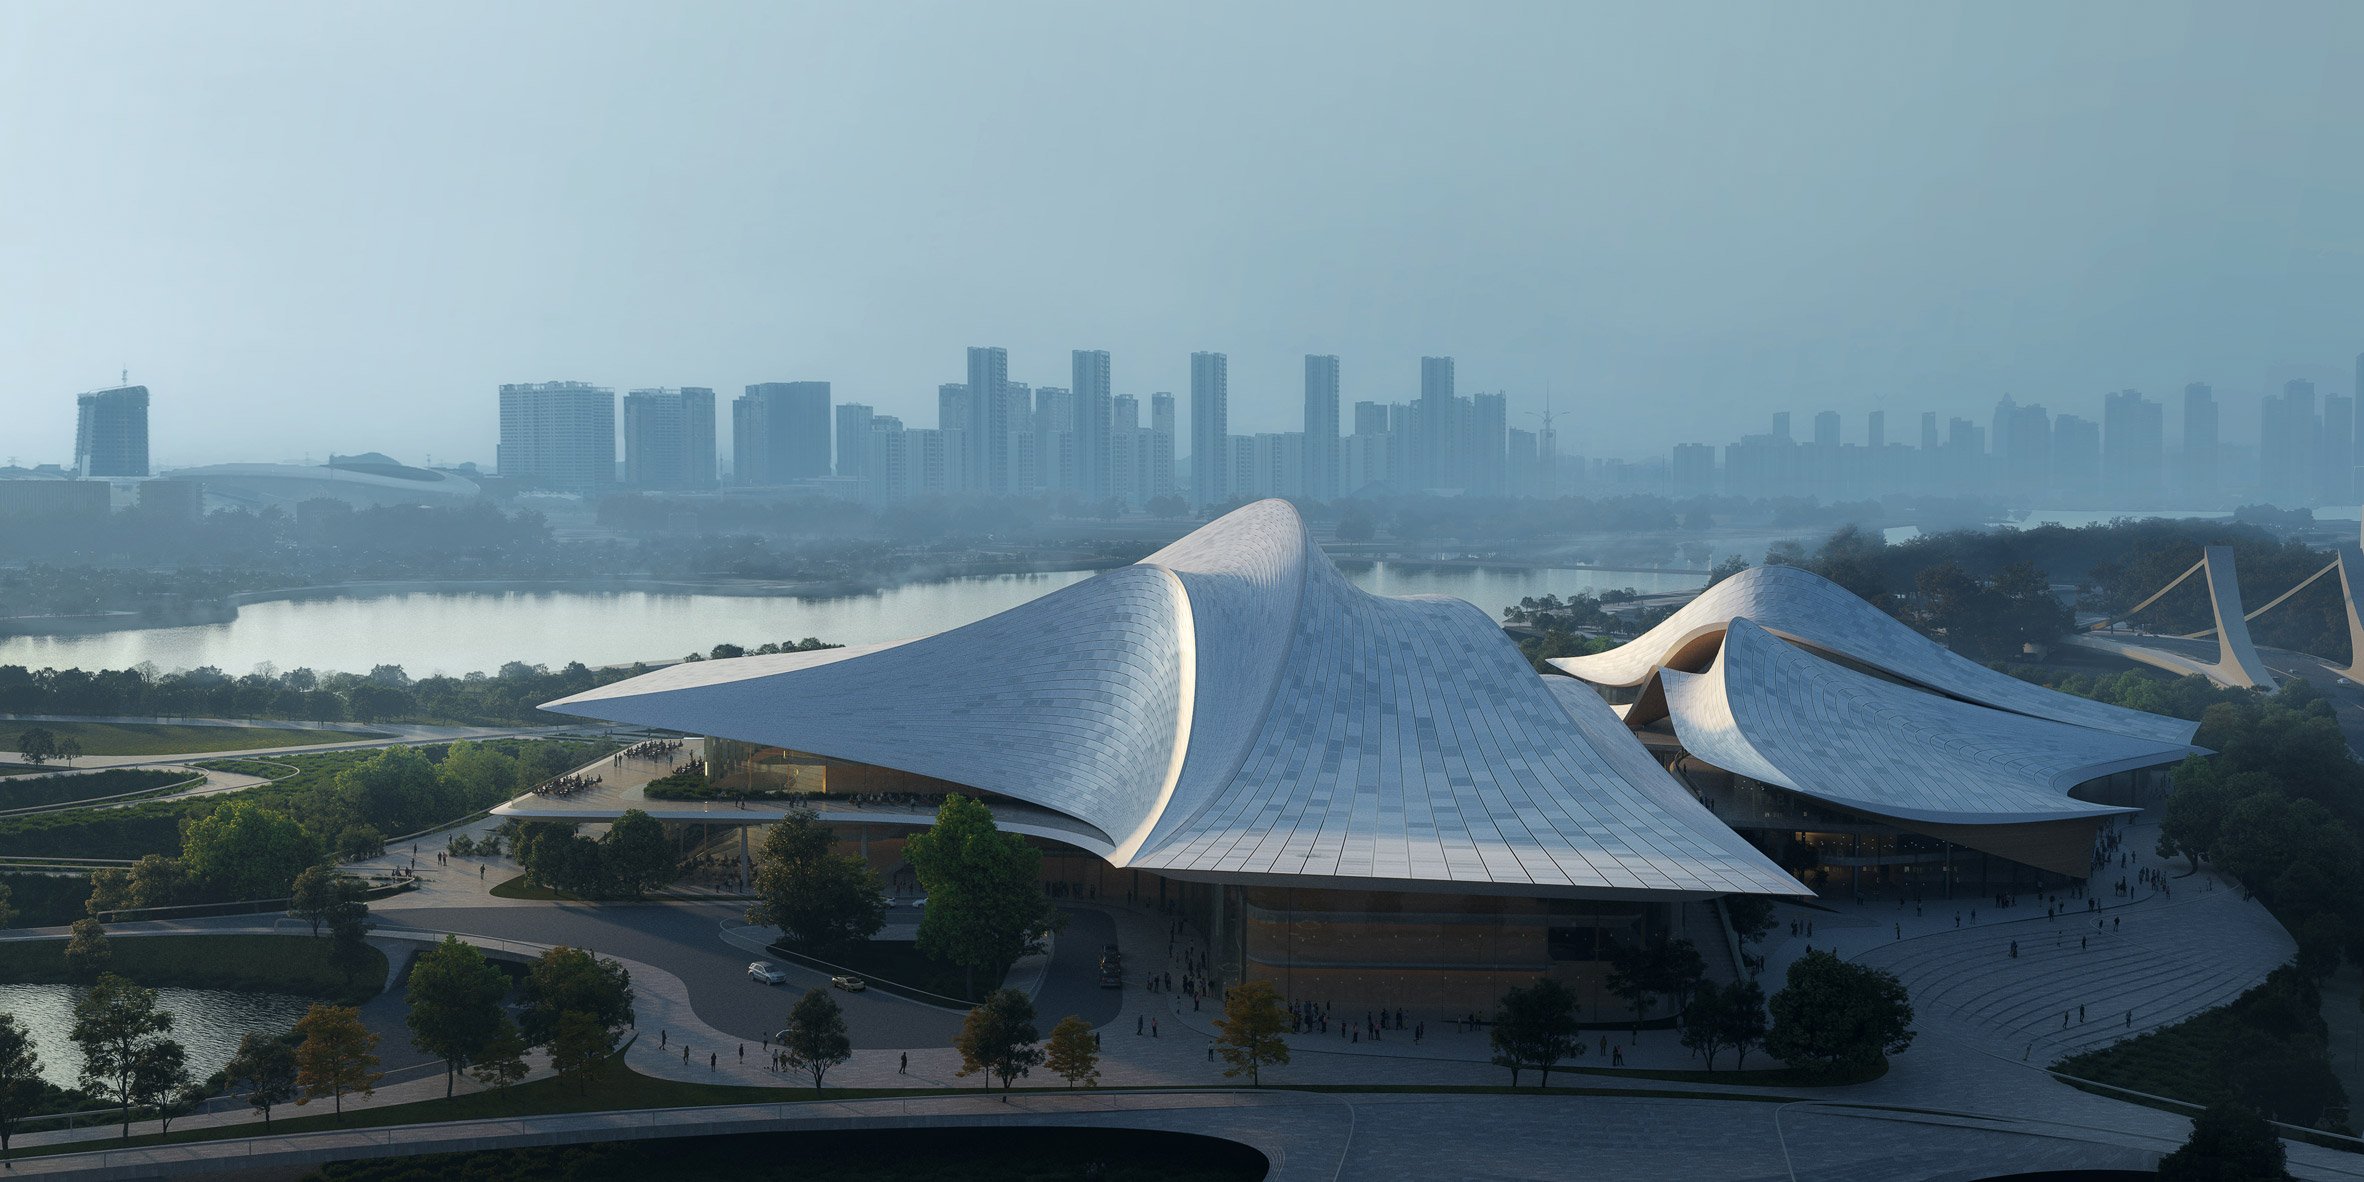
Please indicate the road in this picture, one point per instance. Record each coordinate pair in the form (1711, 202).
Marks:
(687, 940)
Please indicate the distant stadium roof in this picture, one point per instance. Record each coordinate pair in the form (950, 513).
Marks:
(1232, 709)
(1806, 608)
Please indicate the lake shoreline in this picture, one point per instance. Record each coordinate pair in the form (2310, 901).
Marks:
(225, 609)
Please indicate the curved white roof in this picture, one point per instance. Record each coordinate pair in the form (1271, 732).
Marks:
(262, 485)
(1775, 713)
(1801, 606)
(1232, 708)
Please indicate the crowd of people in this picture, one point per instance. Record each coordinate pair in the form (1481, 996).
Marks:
(570, 784)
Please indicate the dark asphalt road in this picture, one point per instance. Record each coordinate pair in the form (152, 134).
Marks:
(686, 940)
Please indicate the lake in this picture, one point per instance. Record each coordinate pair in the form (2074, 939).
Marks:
(206, 1022)
(462, 632)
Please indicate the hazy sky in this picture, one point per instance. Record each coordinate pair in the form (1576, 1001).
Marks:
(316, 227)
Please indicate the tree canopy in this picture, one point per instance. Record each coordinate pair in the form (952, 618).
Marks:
(986, 907)
(455, 1005)
(243, 850)
(997, 1039)
(1536, 1028)
(822, 901)
(1836, 1016)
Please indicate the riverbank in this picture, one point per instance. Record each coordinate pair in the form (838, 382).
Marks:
(225, 609)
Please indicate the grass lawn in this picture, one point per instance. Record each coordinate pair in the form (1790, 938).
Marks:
(519, 888)
(276, 964)
(2266, 1047)
(153, 738)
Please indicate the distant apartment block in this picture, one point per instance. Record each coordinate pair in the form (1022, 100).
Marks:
(111, 432)
(669, 438)
(558, 434)
(780, 433)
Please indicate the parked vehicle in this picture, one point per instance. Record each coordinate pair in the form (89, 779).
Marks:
(1112, 968)
(764, 972)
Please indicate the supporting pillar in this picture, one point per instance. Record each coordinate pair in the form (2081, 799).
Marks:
(743, 865)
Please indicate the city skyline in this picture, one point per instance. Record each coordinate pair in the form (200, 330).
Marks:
(1689, 222)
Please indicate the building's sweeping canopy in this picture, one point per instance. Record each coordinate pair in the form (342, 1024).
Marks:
(1807, 609)
(1232, 709)
(1783, 679)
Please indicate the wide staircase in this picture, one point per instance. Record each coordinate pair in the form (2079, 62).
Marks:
(2145, 966)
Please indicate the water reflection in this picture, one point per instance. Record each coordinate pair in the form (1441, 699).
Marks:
(206, 1022)
(457, 633)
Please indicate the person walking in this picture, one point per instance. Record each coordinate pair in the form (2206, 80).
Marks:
(903, 1064)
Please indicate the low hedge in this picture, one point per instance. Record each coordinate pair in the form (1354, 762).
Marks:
(45, 790)
(240, 963)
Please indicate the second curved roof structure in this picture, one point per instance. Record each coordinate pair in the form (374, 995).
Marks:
(1780, 715)
(1232, 708)
(1801, 606)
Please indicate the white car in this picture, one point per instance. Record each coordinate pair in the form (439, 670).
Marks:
(764, 972)
(849, 983)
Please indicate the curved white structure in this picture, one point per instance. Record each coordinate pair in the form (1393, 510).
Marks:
(1232, 709)
(1780, 715)
(260, 486)
(1801, 606)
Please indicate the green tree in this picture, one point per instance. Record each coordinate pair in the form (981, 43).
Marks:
(158, 881)
(816, 1040)
(87, 954)
(242, 850)
(1248, 1035)
(1726, 567)
(481, 775)
(1834, 1016)
(578, 1046)
(2229, 1143)
(634, 857)
(37, 746)
(315, 896)
(7, 913)
(985, 902)
(2194, 815)
(337, 1057)
(396, 790)
(570, 979)
(997, 1038)
(1751, 915)
(20, 1077)
(1743, 1020)
(115, 1023)
(455, 1005)
(160, 1079)
(1705, 1024)
(1536, 1027)
(501, 1062)
(1072, 1055)
(265, 1067)
(69, 749)
(821, 900)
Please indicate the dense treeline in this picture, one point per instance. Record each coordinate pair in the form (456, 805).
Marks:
(384, 694)
(2279, 807)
